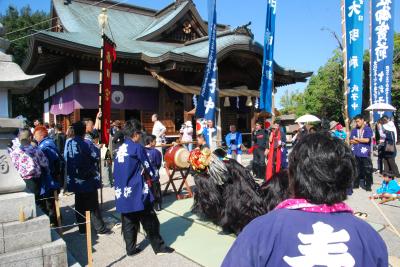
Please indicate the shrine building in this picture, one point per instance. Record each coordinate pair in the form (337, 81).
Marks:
(161, 57)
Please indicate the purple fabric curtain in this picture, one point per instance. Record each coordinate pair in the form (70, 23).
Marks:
(85, 96)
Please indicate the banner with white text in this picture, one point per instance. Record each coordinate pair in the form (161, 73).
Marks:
(354, 16)
(208, 97)
(267, 78)
(382, 43)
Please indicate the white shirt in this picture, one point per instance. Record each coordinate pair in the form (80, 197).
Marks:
(187, 133)
(158, 128)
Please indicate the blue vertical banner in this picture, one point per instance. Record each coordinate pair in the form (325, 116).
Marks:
(267, 78)
(354, 17)
(209, 92)
(382, 43)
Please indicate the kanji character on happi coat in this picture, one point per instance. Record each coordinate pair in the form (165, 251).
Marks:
(133, 174)
(315, 227)
(83, 178)
(277, 155)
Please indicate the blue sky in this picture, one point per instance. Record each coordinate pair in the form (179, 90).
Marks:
(300, 42)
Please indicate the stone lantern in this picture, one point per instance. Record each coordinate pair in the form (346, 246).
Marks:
(25, 235)
(12, 79)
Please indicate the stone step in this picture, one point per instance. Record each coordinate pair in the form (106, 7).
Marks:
(10, 205)
(50, 254)
(15, 235)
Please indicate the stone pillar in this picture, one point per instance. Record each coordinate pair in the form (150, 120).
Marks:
(4, 103)
(10, 181)
(28, 243)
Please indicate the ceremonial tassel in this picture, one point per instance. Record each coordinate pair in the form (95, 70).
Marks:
(227, 102)
(249, 103)
(237, 102)
(194, 101)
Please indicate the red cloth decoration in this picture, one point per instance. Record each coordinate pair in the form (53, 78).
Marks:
(109, 56)
(274, 155)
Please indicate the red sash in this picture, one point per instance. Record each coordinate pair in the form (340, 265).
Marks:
(274, 155)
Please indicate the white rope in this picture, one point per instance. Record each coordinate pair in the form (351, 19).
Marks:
(41, 231)
(386, 218)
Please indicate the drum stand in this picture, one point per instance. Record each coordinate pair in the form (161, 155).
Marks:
(184, 173)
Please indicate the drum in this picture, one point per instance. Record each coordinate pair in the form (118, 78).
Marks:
(177, 156)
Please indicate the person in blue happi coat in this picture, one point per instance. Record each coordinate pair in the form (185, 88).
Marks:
(49, 179)
(210, 135)
(83, 178)
(234, 142)
(134, 200)
(155, 158)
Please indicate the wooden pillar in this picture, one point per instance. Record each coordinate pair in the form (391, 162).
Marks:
(76, 115)
(345, 82)
(122, 115)
(162, 101)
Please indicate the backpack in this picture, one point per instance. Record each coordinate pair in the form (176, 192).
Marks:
(27, 164)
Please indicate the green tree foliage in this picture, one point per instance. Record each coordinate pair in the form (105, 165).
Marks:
(324, 93)
(293, 103)
(14, 19)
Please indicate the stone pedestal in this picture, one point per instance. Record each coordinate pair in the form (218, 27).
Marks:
(10, 181)
(28, 243)
(10, 205)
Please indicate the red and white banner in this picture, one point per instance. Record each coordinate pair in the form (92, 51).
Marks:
(109, 56)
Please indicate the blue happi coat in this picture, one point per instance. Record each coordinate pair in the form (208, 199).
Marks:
(391, 187)
(48, 181)
(234, 142)
(82, 154)
(290, 238)
(131, 190)
(155, 158)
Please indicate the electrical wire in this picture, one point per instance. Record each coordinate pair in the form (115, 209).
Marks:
(50, 19)
(86, 16)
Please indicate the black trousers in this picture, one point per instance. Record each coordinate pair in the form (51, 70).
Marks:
(89, 201)
(156, 190)
(46, 205)
(364, 172)
(151, 225)
(381, 152)
(259, 162)
(391, 166)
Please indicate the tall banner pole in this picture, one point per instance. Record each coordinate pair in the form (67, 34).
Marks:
(208, 101)
(345, 85)
(353, 53)
(371, 113)
(107, 57)
(382, 44)
(102, 16)
(267, 77)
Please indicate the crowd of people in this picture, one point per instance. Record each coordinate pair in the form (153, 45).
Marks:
(309, 184)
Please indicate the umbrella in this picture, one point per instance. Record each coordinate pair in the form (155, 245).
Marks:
(380, 107)
(307, 118)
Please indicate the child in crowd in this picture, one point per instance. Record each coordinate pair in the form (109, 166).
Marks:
(155, 158)
(201, 141)
(389, 189)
